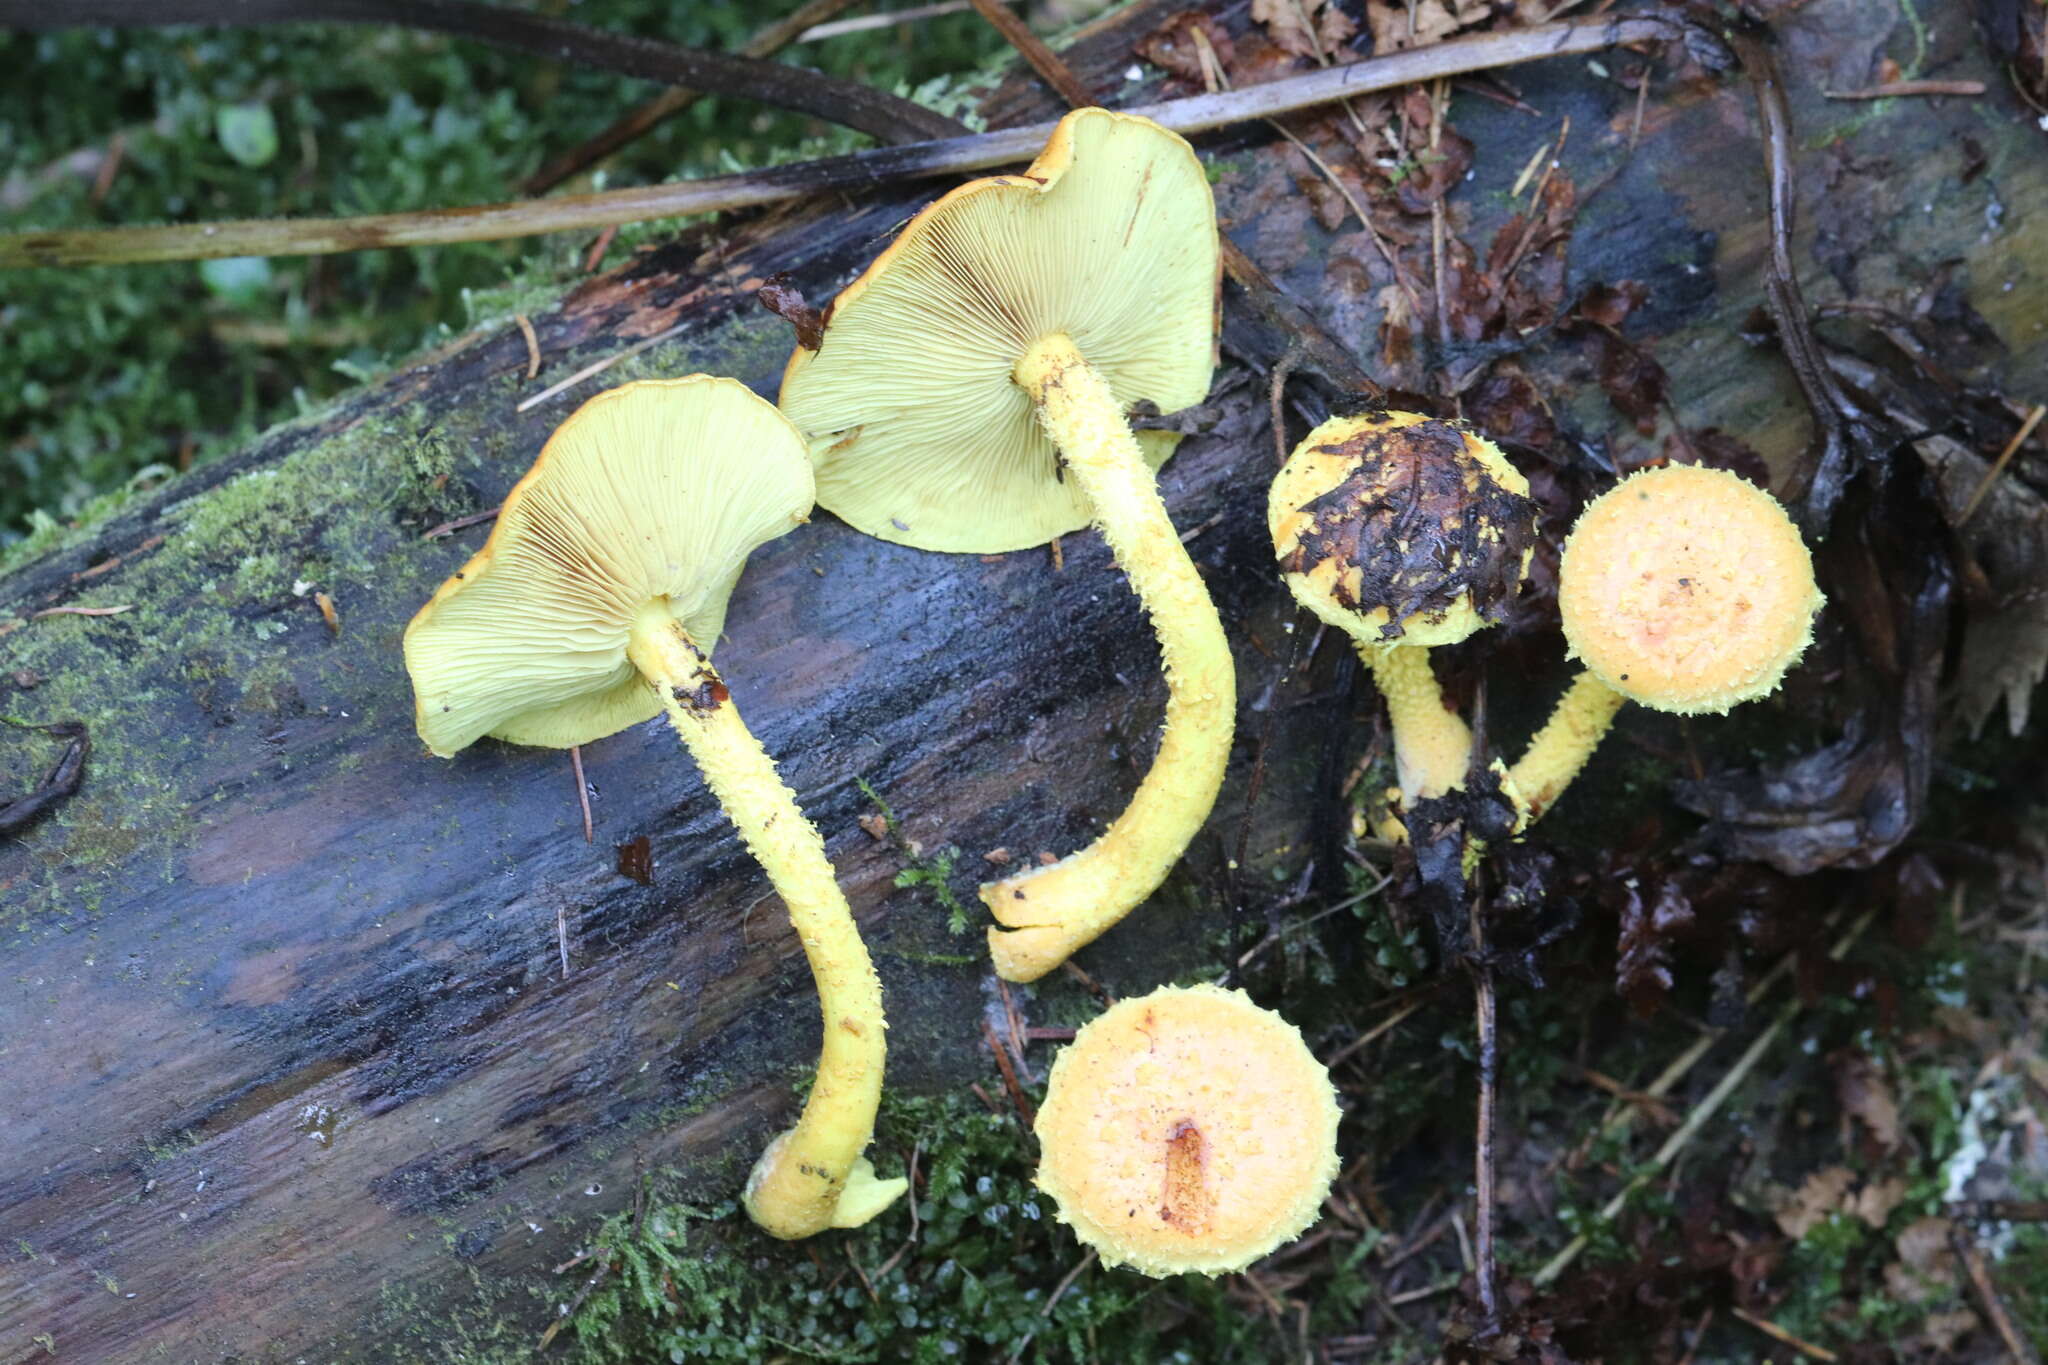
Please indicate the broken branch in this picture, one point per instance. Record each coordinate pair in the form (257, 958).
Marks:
(859, 170)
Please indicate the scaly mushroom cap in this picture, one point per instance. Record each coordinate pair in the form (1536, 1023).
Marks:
(919, 433)
(651, 493)
(1187, 1130)
(1401, 528)
(1687, 589)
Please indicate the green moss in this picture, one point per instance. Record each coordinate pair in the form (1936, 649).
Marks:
(220, 612)
(214, 624)
(689, 1280)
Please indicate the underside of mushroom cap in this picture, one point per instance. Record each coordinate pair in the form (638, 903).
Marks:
(1401, 529)
(649, 498)
(1187, 1130)
(919, 432)
(1687, 589)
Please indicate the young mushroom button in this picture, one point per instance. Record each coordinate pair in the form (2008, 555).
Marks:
(1187, 1130)
(1405, 532)
(594, 606)
(968, 394)
(1683, 588)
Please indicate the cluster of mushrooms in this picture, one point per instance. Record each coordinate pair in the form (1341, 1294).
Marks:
(1188, 1129)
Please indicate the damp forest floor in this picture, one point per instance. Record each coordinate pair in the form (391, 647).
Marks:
(1743, 1115)
(1889, 1140)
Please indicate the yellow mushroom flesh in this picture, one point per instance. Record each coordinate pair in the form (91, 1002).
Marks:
(969, 395)
(1405, 532)
(591, 608)
(1684, 588)
(1187, 1130)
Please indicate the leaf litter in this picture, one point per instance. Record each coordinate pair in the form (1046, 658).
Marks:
(1937, 615)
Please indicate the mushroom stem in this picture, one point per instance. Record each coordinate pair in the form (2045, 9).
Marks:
(1052, 911)
(1432, 744)
(813, 1176)
(1561, 748)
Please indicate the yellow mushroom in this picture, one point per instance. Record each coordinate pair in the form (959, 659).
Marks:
(1187, 1130)
(1405, 532)
(1684, 588)
(968, 394)
(594, 606)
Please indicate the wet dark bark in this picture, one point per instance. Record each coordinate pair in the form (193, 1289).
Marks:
(283, 1018)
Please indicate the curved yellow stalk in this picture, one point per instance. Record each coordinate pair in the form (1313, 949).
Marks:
(1052, 911)
(1561, 748)
(813, 1176)
(1432, 744)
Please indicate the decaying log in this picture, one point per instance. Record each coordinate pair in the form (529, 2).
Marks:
(284, 1020)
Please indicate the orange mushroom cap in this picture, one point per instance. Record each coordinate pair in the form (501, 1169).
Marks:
(1687, 589)
(1187, 1130)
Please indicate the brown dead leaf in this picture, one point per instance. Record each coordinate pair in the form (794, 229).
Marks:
(1508, 406)
(1432, 21)
(1944, 1331)
(1434, 173)
(1863, 1091)
(1874, 1202)
(1174, 47)
(1822, 1194)
(1651, 917)
(2005, 541)
(1397, 337)
(1610, 304)
(874, 824)
(1306, 28)
(1717, 449)
(1925, 1269)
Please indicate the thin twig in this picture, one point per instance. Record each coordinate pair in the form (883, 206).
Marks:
(888, 18)
(1697, 1119)
(1443, 310)
(1276, 385)
(1002, 1055)
(1620, 1115)
(849, 103)
(532, 344)
(1280, 935)
(1482, 1166)
(1427, 1291)
(1014, 1027)
(765, 42)
(596, 367)
(449, 528)
(2019, 438)
(858, 170)
(1032, 49)
(1699, 1334)
(582, 788)
(1771, 1329)
(1891, 88)
(81, 611)
(1988, 1298)
(1375, 1031)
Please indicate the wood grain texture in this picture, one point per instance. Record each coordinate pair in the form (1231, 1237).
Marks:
(282, 1020)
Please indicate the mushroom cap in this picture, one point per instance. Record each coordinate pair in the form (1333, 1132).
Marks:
(919, 433)
(1187, 1130)
(1401, 528)
(649, 497)
(1687, 589)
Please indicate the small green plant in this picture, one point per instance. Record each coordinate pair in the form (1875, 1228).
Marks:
(983, 1271)
(934, 872)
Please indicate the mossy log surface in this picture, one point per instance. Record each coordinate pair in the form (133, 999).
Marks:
(284, 1021)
